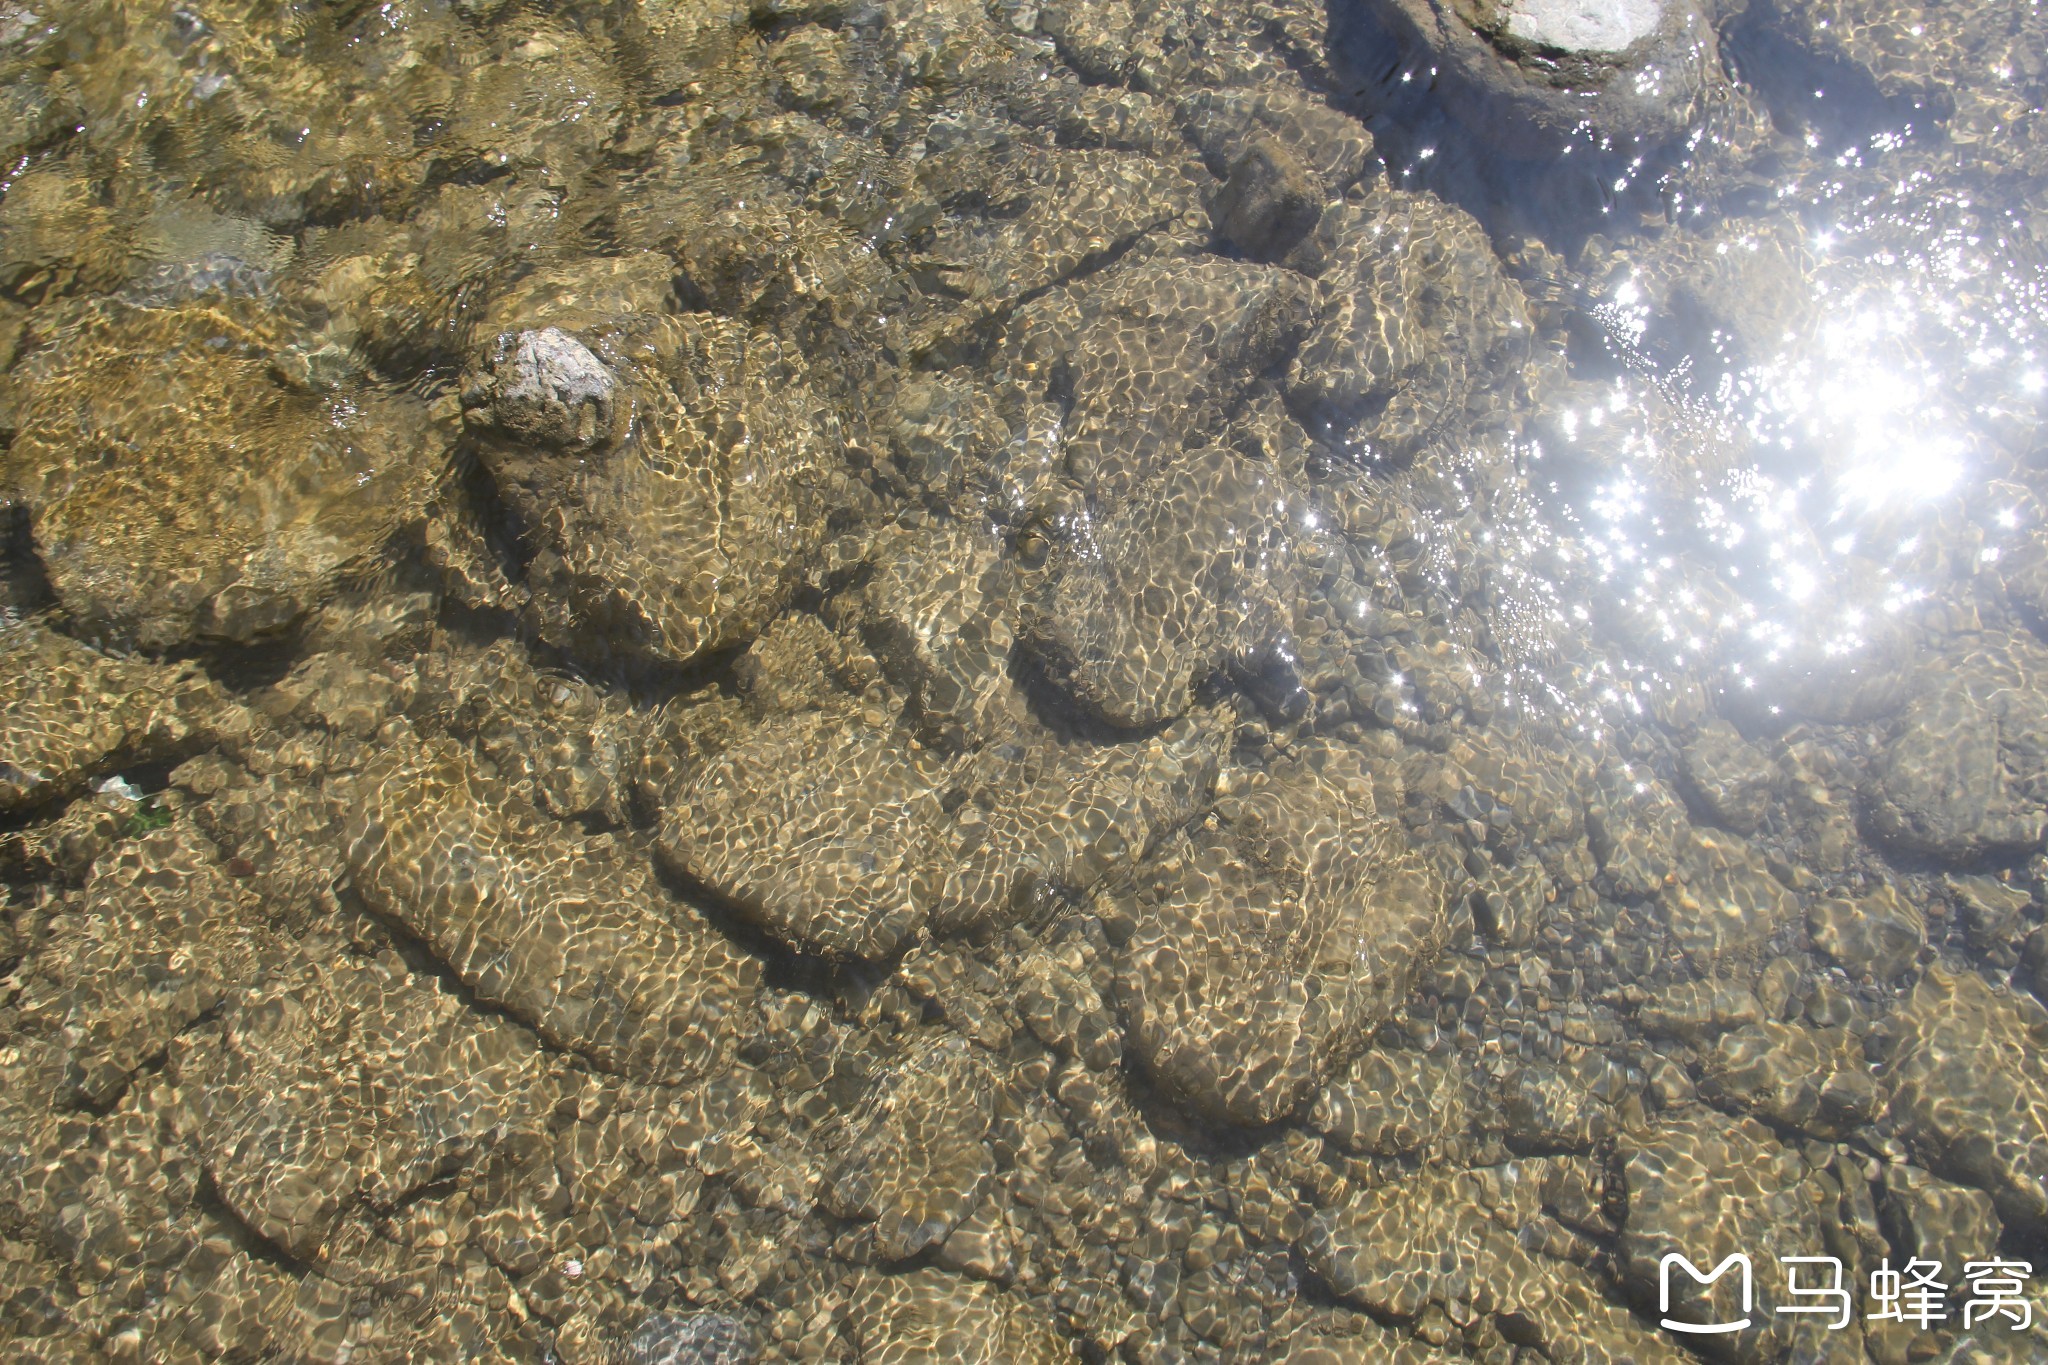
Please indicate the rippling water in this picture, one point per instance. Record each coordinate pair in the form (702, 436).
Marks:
(1112, 679)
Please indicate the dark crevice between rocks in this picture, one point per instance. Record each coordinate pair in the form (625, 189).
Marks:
(1905, 860)
(421, 961)
(1046, 699)
(150, 777)
(782, 967)
(244, 1235)
(25, 589)
(445, 1181)
(151, 1065)
(1813, 91)
(1307, 64)
(29, 817)
(645, 681)
(1169, 1116)
(973, 347)
(2020, 1242)
(242, 667)
(468, 170)
(478, 627)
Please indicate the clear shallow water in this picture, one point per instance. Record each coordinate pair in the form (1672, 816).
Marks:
(950, 681)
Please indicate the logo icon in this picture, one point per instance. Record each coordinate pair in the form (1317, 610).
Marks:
(1704, 1280)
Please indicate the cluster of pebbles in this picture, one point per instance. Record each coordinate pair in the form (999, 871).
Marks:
(909, 680)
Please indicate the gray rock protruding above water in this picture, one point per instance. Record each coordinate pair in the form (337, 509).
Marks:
(546, 386)
(1578, 26)
(1534, 72)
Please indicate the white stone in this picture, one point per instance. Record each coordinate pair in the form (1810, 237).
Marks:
(1585, 25)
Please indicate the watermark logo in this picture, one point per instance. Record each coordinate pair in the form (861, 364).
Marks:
(1830, 1297)
(1664, 1267)
(1914, 1293)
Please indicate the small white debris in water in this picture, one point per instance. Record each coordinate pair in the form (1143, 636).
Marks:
(573, 1269)
(118, 786)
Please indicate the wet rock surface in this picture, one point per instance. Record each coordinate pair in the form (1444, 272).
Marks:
(1288, 926)
(1018, 682)
(178, 487)
(564, 933)
(684, 532)
(1186, 577)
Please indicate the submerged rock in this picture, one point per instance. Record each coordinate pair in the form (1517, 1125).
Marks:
(1939, 1221)
(815, 828)
(1333, 148)
(1058, 1001)
(1724, 903)
(1726, 779)
(839, 838)
(1077, 207)
(1814, 1080)
(159, 943)
(1706, 1187)
(937, 614)
(1150, 360)
(177, 489)
(1268, 203)
(1186, 576)
(1509, 903)
(569, 934)
(1697, 1010)
(1417, 323)
(351, 1083)
(1965, 1085)
(1994, 913)
(1448, 1241)
(916, 1163)
(930, 1315)
(68, 712)
(669, 476)
(1281, 931)
(1637, 829)
(1880, 934)
(688, 1339)
(1392, 1103)
(1965, 774)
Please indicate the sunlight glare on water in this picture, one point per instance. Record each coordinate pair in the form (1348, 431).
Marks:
(1775, 512)
(1019, 680)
